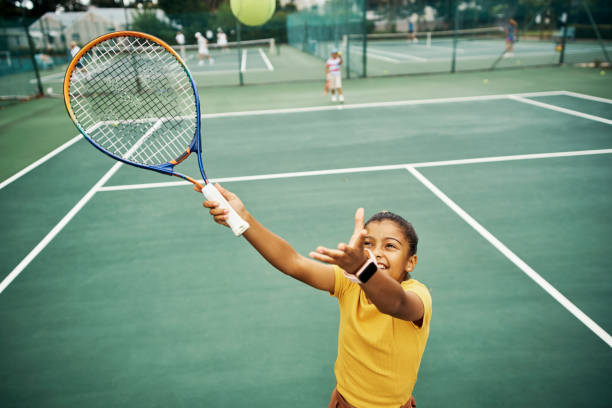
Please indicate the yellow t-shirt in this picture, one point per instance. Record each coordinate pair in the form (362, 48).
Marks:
(378, 355)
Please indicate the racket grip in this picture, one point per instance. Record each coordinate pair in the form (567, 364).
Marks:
(236, 223)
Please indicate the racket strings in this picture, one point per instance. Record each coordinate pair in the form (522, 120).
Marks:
(134, 99)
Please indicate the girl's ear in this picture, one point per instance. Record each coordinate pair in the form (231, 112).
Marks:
(411, 263)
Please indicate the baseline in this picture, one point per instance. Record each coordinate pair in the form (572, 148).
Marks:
(302, 110)
(363, 169)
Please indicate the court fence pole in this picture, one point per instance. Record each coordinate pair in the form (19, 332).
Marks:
(240, 78)
(596, 29)
(364, 29)
(455, 38)
(346, 34)
(564, 18)
(32, 52)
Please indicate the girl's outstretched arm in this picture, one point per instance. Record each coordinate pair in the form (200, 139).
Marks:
(273, 248)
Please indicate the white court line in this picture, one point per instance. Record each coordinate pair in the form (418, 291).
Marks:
(244, 60)
(589, 97)
(364, 169)
(99, 187)
(315, 109)
(40, 161)
(378, 104)
(375, 56)
(265, 59)
(70, 215)
(227, 71)
(45, 158)
(56, 230)
(558, 296)
(46, 78)
(459, 50)
(559, 109)
(299, 110)
(396, 54)
(517, 56)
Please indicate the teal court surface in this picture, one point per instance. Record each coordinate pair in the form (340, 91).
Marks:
(117, 289)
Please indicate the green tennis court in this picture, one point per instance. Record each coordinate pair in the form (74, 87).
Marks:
(119, 290)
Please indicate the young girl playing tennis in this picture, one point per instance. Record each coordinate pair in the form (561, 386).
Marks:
(384, 314)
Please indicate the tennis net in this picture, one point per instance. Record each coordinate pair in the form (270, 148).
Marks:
(231, 48)
(431, 38)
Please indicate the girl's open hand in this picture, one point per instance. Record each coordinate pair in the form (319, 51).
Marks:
(349, 257)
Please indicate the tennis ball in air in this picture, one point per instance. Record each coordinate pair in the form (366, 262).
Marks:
(253, 12)
(485, 81)
(602, 72)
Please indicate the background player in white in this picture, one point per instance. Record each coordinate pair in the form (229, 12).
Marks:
(74, 50)
(180, 40)
(333, 75)
(203, 49)
(221, 39)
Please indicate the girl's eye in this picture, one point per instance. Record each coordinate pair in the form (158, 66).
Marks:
(367, 243)
(390, 246)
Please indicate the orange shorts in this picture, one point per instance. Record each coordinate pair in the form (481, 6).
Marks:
(338, 401)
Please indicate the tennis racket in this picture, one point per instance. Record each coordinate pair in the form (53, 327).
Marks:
(133, 98)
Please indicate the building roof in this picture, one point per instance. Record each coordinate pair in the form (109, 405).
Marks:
(115, 15)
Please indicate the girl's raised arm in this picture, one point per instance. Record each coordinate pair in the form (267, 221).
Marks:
(278, 252)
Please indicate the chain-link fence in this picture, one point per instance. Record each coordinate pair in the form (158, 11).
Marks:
(375, 38)
(410, 37)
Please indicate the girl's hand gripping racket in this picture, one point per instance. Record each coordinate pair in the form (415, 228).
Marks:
(133, 98)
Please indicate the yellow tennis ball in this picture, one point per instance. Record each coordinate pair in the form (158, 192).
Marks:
(253, 12)
(485, 81)
(602, 72)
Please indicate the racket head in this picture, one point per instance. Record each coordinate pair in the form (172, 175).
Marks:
(132, 97)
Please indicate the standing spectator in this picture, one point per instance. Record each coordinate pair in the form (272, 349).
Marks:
(180, 40)
(333, 75)
(203, 49)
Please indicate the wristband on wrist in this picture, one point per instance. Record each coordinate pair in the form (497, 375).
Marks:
(368, 269)
(364, 273)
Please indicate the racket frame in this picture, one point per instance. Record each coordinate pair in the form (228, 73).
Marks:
(164, 168)
(236, 223)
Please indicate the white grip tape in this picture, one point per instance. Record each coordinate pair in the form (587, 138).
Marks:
(236, 223)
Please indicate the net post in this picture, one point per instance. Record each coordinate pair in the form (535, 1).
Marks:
(348, 56)
(596, 29)
(241, 79)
